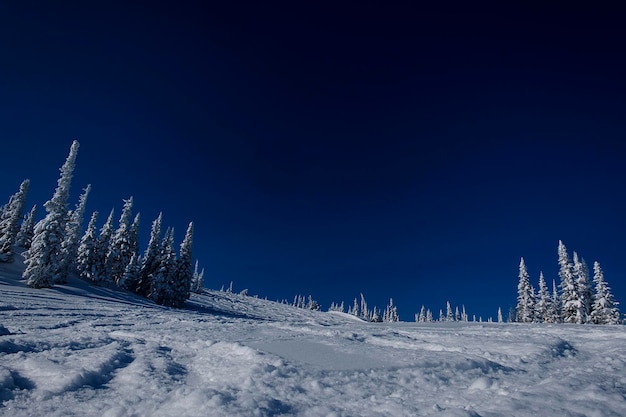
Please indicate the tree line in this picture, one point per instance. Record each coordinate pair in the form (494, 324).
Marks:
(53, 248)
(576, 300)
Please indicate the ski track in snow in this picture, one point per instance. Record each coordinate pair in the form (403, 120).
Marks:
(79, 350)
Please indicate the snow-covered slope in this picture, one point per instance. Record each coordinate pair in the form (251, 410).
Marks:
(79, 350)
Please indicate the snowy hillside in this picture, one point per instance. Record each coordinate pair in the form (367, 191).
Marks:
(81, 350)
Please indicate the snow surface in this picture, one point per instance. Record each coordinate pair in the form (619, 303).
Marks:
(80, 350)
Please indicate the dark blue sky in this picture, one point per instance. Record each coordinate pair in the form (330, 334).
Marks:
(405, 152)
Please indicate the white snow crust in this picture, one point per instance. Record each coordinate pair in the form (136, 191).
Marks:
(81, 350)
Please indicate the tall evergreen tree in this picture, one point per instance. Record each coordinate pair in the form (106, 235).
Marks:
(131, 273)
(86, 254)
(583, 287)
(120, 248)
(543, 309)
(183, 272)
(555, 307)
(27, 229)
(604, 309)
(151, 260)
(570, 300)
(355, 308)
(161, 284)
(102, 275)
(525, 296)
(500, 318)
(391, 313)
(44, 258)
(9, 222)
(134, 235)
(364, 313)
(429, 316)
(73, 231)
(449, 315)
(421, 318)
(197, 282)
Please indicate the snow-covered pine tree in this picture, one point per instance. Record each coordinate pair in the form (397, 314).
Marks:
(500, 318)
(44, 258)
(391, 313)
(312, 304)
(421, 318)
(355, 308)
(197, 281)
(101, 275)
(449, 315)
(429, 316)
(457, 314)
(134, 235)
(86, 258)
(131, 273)
(584, 289)
(570, 300)
(464, 316)
(73, 235)
(151, 261)
(525, 296)
(604, 308)
(555, 307)
(27, 229)
(364, 311)
(161, 288)
(9, 222)
(543, 305)
(183, 273)
(120, 248)
(375, 316)
(441, 316)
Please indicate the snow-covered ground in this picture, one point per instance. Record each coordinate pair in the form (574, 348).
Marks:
(79, 350)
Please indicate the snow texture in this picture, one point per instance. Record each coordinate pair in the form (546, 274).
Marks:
(83, 350)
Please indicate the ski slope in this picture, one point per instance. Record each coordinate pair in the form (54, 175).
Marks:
(80, 350)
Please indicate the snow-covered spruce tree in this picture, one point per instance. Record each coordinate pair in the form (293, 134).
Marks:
(570, 300)
(44, 258)
(86, 259)
(197, 281)
(9, 222)
(604, 309)
(365, 313)
(101, 274)
(429, 316)
(421, 318)
(375, 316)
(131, 273)
(500, 318)
(120, 248)
(312, 304)
(27, 229)
(161, 284)
(151, 260)
(134, 234)
(391, 313)
(72, 235)
(449, 315)
(543, 305)
(525, 296)
(583, 287)
(183, 273)
(555, 307)
(464, 316)
(355, 308)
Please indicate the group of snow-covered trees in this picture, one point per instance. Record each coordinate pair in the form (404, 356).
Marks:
(55, 246)
(361, 310)
(576, 300)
